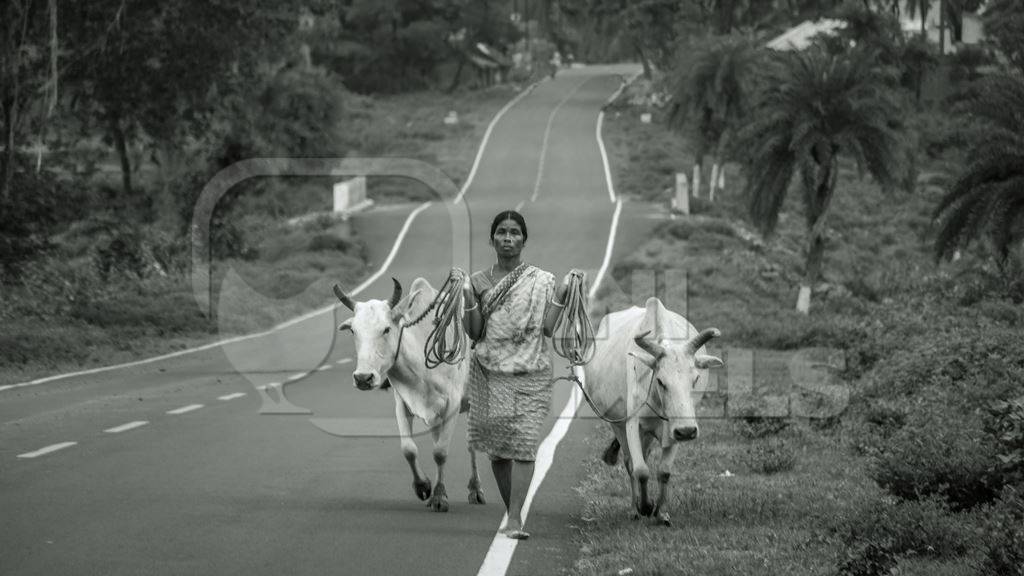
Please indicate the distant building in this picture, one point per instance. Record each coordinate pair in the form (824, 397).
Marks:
(801, 35)
(969, 30)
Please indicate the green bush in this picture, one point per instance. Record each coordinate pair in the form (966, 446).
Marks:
(755, 427)
(1007, 427)
(326, 242)
(26, 218)
(23, 344)
(925, 527)
(870, 559)
(938, 452)
(770, 456)
(1003, 536)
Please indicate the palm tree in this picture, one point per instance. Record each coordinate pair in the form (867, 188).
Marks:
(988, 198)
(710, 97)
(814, 106)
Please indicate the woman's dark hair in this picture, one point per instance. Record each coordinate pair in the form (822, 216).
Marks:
(509, 215)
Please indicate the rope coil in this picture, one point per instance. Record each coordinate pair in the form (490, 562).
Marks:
(573, 339)
(440, 346)
(573, 334)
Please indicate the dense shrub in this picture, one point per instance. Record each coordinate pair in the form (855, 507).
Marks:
(938, 452)
(870, 559)
(755, 427)
(1007, 428)
(1003, 536)
(978, 366)
(24, 344)
(924, 527)
(26, 218)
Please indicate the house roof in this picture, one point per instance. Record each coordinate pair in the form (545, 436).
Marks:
(800, 36)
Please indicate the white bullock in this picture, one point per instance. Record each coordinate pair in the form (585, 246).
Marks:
(647, 385)
(388, 352)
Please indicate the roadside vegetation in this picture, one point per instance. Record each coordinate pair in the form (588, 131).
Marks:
(915, 272)
(111, 134)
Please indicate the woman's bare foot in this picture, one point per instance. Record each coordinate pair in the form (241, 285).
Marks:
(517, 533)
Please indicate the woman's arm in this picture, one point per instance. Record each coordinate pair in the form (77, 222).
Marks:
(472, 320)
(554, 307)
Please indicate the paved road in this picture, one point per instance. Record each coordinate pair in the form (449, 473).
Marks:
(221, 489)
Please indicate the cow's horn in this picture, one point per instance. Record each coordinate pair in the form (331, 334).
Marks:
(396, 295)
(344, 299)
(701, 339)
(650, 347)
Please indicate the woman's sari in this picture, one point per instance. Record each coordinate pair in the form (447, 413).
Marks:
(510, 373)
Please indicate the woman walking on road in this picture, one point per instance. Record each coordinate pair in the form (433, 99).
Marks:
(511, 308)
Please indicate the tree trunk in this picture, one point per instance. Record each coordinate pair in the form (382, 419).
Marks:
(942, 28)
(7, 163)
(724, 11)
(818, 209)
(714, 179)
(812, 271)
(923, 9)
(121, 145)
(458, 75)
(643, 59)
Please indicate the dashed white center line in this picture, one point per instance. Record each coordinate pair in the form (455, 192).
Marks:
(47, 450)
(125, 427)
(344, 361)
(231, 396)
(296, 376)
(324, 367)
(185, 409)
(269, 386)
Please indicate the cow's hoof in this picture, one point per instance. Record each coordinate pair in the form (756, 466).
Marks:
(646, 509)
(476, 497)
(663, 518)
(439, 500)
(422, 489)
(635, 516)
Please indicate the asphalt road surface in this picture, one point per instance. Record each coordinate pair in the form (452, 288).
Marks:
(174, 469)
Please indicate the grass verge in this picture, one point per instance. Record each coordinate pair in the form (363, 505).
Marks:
(924, 348)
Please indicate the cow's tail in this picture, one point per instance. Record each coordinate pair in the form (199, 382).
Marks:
(611, 453)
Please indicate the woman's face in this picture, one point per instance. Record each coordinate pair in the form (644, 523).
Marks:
(507, 239)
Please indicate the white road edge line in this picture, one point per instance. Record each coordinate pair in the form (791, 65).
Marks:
(600, 140)
(499, 555)
(354, 292)
(47, 450)
(487, 136)
(126, 427)
(185, 409)
(227, 397)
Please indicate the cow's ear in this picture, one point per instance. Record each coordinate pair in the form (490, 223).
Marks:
(703, 361)
(346, 325)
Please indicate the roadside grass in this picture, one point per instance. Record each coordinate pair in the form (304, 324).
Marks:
(800, 521)
(870, 485)
(69, 316)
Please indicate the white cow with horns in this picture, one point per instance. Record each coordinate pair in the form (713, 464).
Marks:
(389, 352)
(645, 387)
